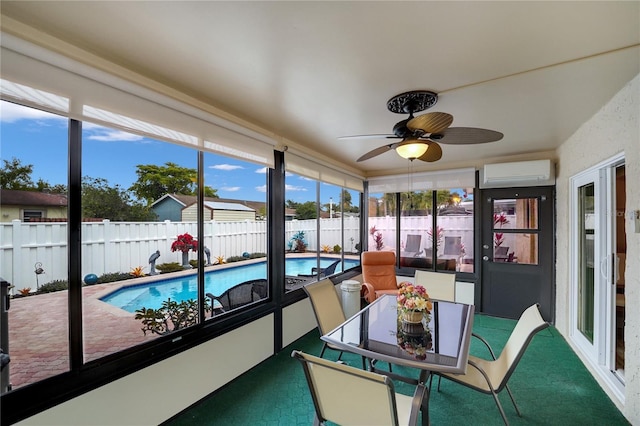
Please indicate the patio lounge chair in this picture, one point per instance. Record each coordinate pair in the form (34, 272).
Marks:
(323, 272)
(412, 248)
(379, 274)
(239, 295)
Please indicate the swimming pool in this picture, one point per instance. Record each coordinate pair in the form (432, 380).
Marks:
(151, 295)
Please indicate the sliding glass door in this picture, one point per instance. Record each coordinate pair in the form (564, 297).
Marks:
(597, 273)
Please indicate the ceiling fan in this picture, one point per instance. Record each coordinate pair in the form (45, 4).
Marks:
(421, 136)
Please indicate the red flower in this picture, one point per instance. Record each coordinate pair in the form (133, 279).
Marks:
(184, 243)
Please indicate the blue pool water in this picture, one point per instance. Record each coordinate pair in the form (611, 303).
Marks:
(151, 295)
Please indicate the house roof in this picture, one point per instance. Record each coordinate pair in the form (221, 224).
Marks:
(216, 205)
(187, 200)
(12, 197)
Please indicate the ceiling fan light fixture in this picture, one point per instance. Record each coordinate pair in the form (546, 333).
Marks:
(412, 150)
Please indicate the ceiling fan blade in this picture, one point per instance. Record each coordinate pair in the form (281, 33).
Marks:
(376, 152)
(434, 152)
(467, 135)
(380, 136)
(432, 122)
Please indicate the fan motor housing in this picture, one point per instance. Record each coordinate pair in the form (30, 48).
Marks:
(413, 101)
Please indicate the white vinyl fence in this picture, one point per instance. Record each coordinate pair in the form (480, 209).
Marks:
(109, 247)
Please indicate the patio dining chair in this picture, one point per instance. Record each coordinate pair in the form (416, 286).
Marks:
(348, 396)
(327, 310)
(439, 285)
(492, 376)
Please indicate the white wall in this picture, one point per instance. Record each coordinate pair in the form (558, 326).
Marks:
(614, 129)
(154, 394)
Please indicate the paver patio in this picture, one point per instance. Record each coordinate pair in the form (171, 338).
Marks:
(39, 333)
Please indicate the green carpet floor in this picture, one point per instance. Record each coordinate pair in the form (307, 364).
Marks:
(551, 387)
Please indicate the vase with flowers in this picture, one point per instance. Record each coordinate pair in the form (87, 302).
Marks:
(185, 243)
(414, 314)
(414, 304)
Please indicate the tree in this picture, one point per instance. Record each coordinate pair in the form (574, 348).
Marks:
(44, 186)
(16, 176)
(290, 204)
(155, 181)
(347, 205)
(210, 192)
(307, 210)
(99, 200)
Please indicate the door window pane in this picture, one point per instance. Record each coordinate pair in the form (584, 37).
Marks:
(515, 248)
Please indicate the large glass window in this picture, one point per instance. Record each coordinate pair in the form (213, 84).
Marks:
(135, 230)
(381, 226)
(33, 231)
(441, 235)
(454, 230)
(235, 233)
(322, 230)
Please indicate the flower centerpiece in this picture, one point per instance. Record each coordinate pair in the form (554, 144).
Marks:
(414, 304)
(185, 243)
(414, 314)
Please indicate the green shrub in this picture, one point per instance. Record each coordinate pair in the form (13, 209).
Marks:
(257, 255)
(110, 277)
(337, 249)
(169, 267)
(235, 259)
(170, 316)
(194, 263)
(55, 285)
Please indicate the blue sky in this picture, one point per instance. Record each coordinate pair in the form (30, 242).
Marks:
(40, 139)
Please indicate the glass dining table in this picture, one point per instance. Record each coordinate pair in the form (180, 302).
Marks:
(378, 333)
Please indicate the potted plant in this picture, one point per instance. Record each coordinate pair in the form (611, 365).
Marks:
(298, 242)
(185, 243)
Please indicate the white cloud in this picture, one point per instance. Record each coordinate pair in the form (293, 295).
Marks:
(105, 134)
(262, 188)
(226, 167)
(108, 135)
(230, 188)
(294, 188)
(261, 170)
(10, 113)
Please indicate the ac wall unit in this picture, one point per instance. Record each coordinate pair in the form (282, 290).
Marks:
(537, 172)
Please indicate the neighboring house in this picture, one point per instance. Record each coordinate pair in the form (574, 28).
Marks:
(31, 206)
(289, 214)
(170, 206)
(220, 211)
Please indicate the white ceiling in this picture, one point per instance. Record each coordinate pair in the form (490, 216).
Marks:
(314, 71)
